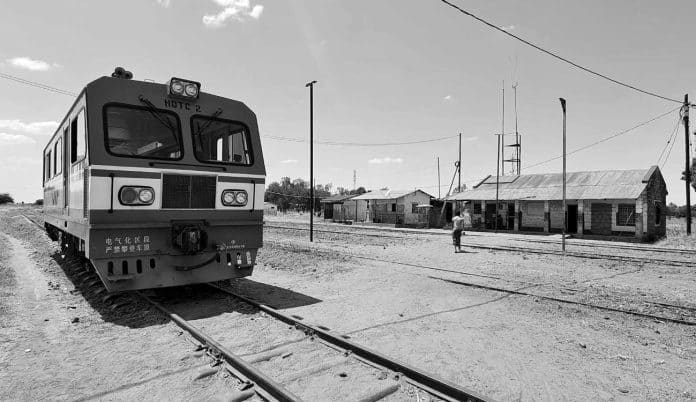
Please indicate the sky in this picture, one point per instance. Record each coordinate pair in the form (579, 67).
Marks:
(387, 71)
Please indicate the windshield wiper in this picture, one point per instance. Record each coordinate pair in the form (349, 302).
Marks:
(211, 118)
(158, 115)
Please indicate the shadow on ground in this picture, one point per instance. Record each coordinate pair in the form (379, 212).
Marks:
(191, 302)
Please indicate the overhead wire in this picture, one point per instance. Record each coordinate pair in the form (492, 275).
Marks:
(358, 144)
(669, 152)
(37, 85)
(670, 139)
(604, 139)
(552, 54)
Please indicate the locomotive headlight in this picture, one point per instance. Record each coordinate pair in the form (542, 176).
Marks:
(241, 198)
(177, 87)
(136, 195)
(191, 90)
(182, 88)
(146, 195)
(234, 198)
(128, 195)
(228, 198)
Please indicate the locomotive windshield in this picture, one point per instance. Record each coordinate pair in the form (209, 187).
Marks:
(222, 141)
(142, 133)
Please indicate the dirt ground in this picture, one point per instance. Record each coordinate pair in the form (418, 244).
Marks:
(59, 344)
(408, 296)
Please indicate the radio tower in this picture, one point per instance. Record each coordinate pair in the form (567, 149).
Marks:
(516, 159)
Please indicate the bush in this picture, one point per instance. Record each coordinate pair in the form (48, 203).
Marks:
(39, 201)
(6, 198)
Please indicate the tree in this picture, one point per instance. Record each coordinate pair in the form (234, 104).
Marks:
(39, 201)
(6, 198)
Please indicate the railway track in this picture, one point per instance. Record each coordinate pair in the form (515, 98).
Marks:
(682, 311)
(677, 310)
(592, 256)
(519, 238)
(395, 380)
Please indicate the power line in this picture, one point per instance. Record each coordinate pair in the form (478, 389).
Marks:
(604, 139)
(552, 54)
(671, 137)
(357, 144)
(37, 85)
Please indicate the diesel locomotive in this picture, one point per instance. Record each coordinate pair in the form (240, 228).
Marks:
(156, 185)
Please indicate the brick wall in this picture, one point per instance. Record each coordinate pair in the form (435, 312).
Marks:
(601, 218)
(535, 219)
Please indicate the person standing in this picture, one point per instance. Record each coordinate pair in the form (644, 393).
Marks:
(457, 229)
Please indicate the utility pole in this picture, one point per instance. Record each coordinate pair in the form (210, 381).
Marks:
(459, 165)
(355, 179)
(502, 139)
(311, 157)
(497, 185)
(687, 168)
(565, 212)
(438, 178)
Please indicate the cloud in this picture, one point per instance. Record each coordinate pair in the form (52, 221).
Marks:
(15, 139)
(448, 97)
(384, 161)
(39, 127)
(164, 3)
(289, 161)
(508, 28)
(474, 138)
(232, 9)
(31, 64)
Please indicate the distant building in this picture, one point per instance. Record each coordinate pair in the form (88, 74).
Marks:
(393, 207)
(338, 208)
(601, 203)
(270, 208)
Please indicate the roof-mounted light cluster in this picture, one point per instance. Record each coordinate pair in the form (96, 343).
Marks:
(183, 88)
(120, 72)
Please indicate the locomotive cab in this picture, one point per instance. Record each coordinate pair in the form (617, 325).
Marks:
(169, 189)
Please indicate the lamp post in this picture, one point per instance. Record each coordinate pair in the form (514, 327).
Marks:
(565, 213)
(311, 158)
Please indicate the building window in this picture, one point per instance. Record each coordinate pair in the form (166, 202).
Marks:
(414, 207)
(393, 207)
(535, 209)
(658, 214)
(477, 208)
(626, 215)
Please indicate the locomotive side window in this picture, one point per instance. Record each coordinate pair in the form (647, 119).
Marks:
(221, 141)
(77, 137)
(47, 165)
(58, 156)
(142, 133)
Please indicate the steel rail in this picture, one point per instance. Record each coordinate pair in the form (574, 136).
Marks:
(531, 284)
(556, 299)
(427, 381)
(269, 385)
(573, 242)
(576, 254)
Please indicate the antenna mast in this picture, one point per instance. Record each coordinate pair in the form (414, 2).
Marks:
(516, 159)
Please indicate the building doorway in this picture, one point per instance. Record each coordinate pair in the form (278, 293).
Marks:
(572, 223)
(511, 216)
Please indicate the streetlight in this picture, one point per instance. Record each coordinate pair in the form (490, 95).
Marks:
(311, 157)
(565, 213)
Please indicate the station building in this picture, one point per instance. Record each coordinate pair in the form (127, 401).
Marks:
(608, 203)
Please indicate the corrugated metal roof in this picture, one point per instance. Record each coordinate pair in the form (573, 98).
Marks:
(598, 185)
(337, 198)
(387, 194)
